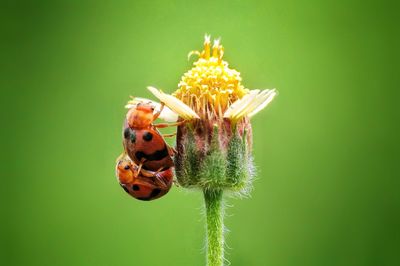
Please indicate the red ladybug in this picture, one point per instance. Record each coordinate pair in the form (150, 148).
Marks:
(143, 142)
(145, 170)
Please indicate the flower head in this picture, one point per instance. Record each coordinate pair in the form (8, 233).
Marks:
(210, 87)
(214, 145)
(212, 90)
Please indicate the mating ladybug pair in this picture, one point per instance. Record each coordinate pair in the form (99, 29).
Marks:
(145, 169)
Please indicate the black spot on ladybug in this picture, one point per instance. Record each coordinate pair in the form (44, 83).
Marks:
(147, 136)
(130, 134)
(133, 136)
(155, 193)
(127, 132)
(126, 167)
(144, 199)
(156, 156)
(139, 155)
(126, 190)
(135, 188)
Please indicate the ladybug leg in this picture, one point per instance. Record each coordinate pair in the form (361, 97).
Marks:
(169, 135)
(157, 177)
(159, 169)
(140, 167)
(171, 150)
(162, 125)
(147, 173)
(156, 115)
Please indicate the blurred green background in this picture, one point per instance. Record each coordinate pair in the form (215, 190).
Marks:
(327, 191)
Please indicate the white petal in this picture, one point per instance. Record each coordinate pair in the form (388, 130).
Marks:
(250, 104)
(240, 104)
(271, 94)
(166, 114)
(244, 110)
(174, 104)
(254, 103)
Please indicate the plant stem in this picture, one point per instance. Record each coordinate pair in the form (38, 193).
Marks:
(215, 226)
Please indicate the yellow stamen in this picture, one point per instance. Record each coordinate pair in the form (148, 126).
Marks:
(210, 87)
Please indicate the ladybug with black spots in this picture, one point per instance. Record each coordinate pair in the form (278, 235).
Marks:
(146, 168)
(143, 142)
(141, 184)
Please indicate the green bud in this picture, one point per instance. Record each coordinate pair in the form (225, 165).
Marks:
(215, 156)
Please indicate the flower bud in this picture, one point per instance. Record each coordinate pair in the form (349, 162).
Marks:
(214, 155)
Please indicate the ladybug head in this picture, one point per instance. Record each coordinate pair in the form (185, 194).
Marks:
(140, 116)
(125, 171)
(145, 107)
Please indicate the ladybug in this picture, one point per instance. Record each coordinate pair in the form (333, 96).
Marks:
(145, 169)
(143, 185)
(143, 142)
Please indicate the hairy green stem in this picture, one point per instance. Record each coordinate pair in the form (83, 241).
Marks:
(215, 226)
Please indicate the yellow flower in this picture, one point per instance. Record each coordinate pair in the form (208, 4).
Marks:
(213, 91)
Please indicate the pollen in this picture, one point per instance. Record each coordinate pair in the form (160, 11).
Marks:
(210, 87)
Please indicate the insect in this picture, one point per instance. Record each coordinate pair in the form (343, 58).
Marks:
(143, 185)
(145, 169)
(143, 142)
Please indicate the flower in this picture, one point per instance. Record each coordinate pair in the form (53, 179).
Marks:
(214, 145)
(210, 87)
(214, 136)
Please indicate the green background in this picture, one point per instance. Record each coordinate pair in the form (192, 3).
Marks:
(327, 191)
